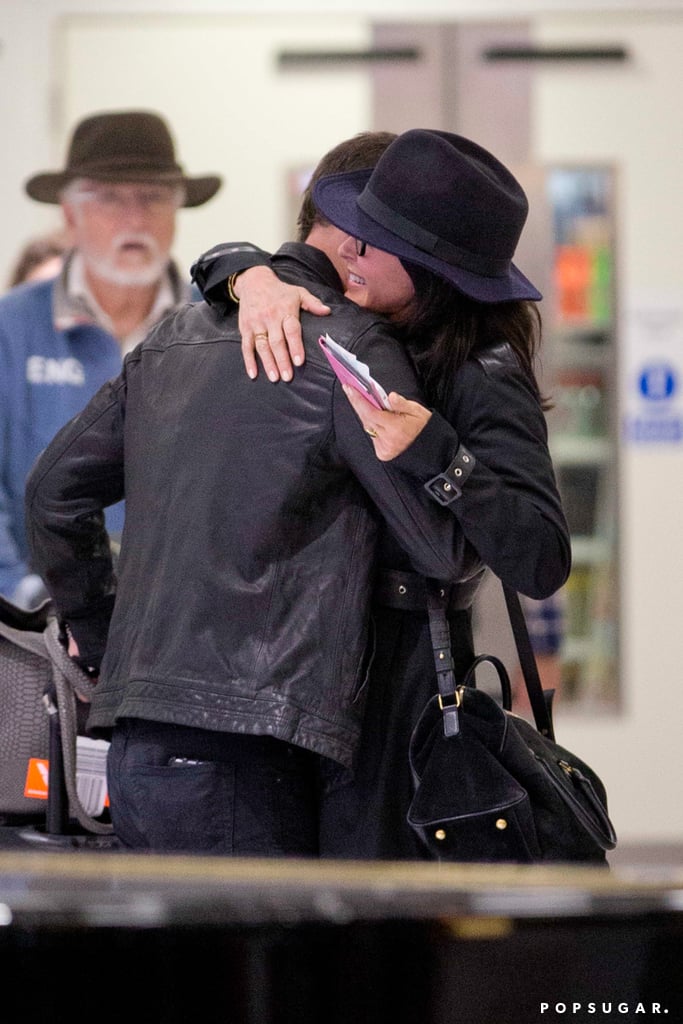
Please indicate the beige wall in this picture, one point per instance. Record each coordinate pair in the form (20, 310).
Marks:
(233, 110)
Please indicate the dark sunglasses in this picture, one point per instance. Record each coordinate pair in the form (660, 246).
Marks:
(360, 247)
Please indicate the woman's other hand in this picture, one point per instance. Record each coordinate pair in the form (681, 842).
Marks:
(269, 322)
(391, 431)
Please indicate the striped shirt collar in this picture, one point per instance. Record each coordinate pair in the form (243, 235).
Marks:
(74, 305)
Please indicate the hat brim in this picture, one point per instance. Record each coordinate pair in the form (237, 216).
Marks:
(47, 187)
(336, 197)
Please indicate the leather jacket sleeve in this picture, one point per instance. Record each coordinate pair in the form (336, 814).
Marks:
(71, 550)
(210, 272)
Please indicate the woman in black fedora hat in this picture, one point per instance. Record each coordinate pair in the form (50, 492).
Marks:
(442, 216)
(431, 234)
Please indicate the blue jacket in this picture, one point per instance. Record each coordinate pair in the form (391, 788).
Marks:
(46, 377)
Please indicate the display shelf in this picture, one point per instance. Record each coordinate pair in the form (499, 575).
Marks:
(591, 550)
(576, 449)
(580, 333)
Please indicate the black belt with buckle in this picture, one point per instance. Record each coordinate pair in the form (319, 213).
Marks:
(407, 591)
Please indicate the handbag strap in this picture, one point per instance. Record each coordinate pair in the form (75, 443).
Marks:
(71, 684)
(540, 700)
(440, 632)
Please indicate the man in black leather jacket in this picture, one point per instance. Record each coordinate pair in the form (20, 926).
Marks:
(237, 632)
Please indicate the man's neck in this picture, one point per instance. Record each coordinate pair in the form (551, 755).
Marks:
(126, 306)
(327, 238)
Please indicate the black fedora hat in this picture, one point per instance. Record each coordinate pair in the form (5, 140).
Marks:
(126, 145)
(443, 202)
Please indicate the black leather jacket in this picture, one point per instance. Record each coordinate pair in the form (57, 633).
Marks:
(509, 508)
(247, 558)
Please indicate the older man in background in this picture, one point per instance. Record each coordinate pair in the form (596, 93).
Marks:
(61, 340)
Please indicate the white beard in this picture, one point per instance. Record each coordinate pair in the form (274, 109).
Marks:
(107, 269)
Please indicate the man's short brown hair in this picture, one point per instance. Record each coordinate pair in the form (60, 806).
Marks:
(354, 154)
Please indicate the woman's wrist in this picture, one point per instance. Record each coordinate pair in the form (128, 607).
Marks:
(232, 294)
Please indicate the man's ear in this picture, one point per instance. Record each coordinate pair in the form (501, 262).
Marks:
(69, 214)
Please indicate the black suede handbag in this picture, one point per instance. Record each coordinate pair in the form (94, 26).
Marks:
(490, 786)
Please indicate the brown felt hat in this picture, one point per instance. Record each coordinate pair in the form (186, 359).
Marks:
(129, 145)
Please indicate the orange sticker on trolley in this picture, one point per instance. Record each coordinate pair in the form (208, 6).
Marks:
(36, 778)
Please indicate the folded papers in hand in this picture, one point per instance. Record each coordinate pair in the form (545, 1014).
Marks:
(350, 370)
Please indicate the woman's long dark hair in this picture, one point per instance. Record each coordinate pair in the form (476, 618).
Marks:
(444, 328)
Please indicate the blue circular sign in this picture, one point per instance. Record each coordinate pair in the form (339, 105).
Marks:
(657, 382)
